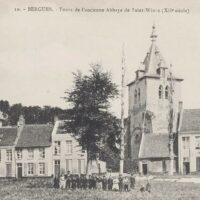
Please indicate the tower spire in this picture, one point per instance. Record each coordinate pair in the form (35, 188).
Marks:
(153, 34)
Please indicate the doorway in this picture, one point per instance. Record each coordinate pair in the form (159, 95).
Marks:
(198, 164)
(57, 167)
(144, 169)
(186, 167)
(164, 166)
(19, 170)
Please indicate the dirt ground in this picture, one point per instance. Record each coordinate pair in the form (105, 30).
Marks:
(41, 189)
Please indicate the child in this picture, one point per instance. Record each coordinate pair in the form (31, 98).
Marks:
(126, 183)
(148, 187)
(62, 182)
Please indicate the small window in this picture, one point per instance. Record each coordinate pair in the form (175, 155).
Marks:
(57, 148)
(197, 138)
(9, 155)
(166, 92)
(30, 153)
(19, 154)
(139, 95)
(69, 147)
(30, 168)
(186, 142)
(160, 92)
(69, 165)
(42, 168)
(135, 97)
(42, 152)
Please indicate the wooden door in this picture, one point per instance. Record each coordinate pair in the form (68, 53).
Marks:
(19, 170)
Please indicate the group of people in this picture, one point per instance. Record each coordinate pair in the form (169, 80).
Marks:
(74, 181)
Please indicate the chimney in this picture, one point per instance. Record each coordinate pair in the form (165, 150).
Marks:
(139, 73)
(180, 106)
(21, 121)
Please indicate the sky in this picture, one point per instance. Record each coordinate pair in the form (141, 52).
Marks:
(40, 50)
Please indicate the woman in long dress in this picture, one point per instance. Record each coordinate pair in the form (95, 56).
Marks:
(115, 184)
(62, 182)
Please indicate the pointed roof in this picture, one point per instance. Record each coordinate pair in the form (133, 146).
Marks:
(190, 121)
(154, 58)
(155, 146)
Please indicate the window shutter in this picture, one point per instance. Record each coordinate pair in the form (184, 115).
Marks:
(34, 169)
(25, 169)
(46, 169)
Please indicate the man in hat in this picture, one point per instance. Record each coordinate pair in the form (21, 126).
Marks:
(68, 180)
(132, 181)
(104, 183)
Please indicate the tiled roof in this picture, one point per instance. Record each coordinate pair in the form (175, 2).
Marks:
(190, 120)
(155, 146)
(8, 136)
(35, 136)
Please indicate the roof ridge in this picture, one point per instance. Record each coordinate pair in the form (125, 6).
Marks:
(191, 109)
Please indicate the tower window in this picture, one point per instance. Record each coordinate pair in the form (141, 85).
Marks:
(160, 92)
(166, 92)
(139, 95)
(135, 97)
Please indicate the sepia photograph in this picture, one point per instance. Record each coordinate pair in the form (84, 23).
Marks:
(99, 100)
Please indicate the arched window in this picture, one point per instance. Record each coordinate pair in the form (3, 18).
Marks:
(139, 95)
(135, 97)
(160, 92)
(166, 92)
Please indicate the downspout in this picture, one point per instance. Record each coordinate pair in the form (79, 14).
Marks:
(180, 114)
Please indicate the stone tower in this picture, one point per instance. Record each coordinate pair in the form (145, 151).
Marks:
(147, 139)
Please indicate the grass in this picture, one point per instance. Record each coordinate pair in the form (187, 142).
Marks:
(40, 189)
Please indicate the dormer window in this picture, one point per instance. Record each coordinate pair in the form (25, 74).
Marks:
(166, 92)
(160, 92)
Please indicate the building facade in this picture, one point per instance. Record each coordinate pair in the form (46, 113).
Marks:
(67, 154)
(39, 150)
(189, 142)
(33, 151)
(8, 137)
(148, 138)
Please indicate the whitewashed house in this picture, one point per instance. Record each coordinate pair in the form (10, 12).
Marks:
(67, 154)
(189, 142)
(33, 151)
(8, 138)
